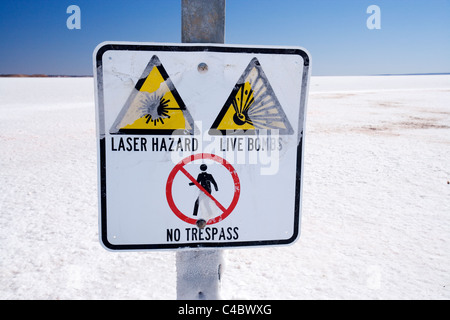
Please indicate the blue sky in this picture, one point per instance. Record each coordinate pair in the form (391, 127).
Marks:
(414, 35)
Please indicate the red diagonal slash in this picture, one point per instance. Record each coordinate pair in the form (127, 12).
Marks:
(190, 177)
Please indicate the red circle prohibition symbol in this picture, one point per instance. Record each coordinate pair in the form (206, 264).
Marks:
(180, 168)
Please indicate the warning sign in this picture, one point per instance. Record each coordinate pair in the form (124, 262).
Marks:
(154, 106)
(200, 145)
(252, 105)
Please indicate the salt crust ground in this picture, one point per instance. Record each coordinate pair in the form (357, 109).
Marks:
(376, 199)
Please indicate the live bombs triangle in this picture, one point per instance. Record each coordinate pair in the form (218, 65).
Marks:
(252, 106)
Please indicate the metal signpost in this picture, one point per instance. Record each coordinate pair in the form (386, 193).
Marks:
(199, 271)
(200, 146)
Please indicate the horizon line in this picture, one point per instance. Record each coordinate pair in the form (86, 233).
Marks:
(42, 75)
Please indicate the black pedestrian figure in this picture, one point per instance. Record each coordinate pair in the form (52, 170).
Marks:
(204, 179)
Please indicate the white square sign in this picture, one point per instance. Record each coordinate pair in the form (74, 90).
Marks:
(200, 145)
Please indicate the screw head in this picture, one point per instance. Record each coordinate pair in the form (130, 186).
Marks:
(201, 223)
(202, 67)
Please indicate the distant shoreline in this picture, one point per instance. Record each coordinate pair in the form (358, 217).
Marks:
(40, 76)
(90, 76)
(413, 74)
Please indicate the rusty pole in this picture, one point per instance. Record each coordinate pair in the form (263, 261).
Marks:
(203, 21)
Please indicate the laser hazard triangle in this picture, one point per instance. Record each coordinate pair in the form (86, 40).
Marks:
(154, 106)
(252, 106)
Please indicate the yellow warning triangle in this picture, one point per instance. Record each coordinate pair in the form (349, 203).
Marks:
(252, 106)
(154, 106)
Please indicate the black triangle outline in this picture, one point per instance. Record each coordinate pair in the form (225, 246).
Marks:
(254, 63)
(154, 62)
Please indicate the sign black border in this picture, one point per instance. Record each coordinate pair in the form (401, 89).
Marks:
(98, 54)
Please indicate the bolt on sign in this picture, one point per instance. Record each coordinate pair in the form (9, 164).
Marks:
(200, 145)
